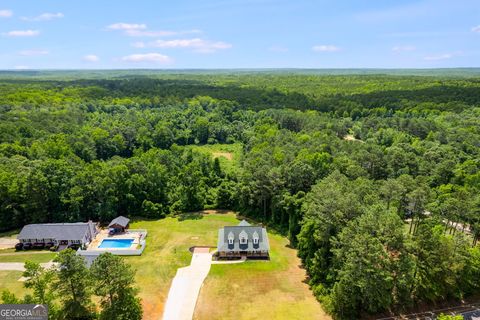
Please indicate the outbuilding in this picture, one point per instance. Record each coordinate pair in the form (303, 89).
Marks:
(119, 224)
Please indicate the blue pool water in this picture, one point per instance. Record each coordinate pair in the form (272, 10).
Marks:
(115, 243)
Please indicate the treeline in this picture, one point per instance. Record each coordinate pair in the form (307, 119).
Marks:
(375, 179)
(69, 288)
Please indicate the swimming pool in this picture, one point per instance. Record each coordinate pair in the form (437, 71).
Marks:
(115, 243)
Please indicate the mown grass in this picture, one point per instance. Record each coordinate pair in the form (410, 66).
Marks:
(9, 281)
(274, 289)
(24, 256)
(167, 249)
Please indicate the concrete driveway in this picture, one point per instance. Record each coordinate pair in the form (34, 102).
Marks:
(186, 285)
(7, 243)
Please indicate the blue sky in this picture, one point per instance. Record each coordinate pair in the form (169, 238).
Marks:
(113, 34)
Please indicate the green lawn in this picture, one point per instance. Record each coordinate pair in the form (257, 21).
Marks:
(23, 256)
(255, 289)
(9, 281)
(272, 289)
(167, 247)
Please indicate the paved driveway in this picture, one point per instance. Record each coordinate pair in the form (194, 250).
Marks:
(186, 285)
(6, 243)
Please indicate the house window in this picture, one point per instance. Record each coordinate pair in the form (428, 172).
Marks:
(230, 241)
(255, 240)
(243, 240)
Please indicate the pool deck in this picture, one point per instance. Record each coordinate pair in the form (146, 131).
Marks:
(103, 234)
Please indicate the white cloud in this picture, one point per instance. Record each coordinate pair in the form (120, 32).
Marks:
(91, 58)
(197, 44)
(403, 48)
(147, 57)
(21, 67)
(22, 33)
(325, 48)
(6, 13)
(127, 26)
(146, 33)
(141, 30)
(33, 52)
(45, 17)
(439, 57)
(476, 29)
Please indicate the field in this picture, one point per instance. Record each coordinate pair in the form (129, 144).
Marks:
(279, 280)
(272, 289)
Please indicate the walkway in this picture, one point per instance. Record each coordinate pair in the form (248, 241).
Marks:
(19, 266)
(186, 285)
(243, 259)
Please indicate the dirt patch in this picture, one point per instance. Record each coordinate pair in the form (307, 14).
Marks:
(350, 137)
(226, 155)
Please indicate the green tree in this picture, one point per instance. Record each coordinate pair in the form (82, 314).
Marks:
(73, 286)
(114, 284)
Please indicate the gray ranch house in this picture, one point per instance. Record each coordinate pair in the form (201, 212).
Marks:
(243, 240)
(60, 234)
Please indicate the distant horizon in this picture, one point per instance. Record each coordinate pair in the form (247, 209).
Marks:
(239, 34)
(240, 68)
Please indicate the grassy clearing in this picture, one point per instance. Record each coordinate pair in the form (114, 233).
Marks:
(228, 154)
(167, 247)
(272, 289)
(39, 257)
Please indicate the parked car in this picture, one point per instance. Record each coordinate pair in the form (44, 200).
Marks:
(48, 245)
(74, 246)
(19, 246)
(27, 246)
(38, 245)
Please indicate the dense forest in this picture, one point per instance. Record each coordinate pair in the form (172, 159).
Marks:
(374, 178)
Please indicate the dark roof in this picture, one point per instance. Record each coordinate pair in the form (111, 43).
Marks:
(120, 220)
(249, 231)
(58, 231)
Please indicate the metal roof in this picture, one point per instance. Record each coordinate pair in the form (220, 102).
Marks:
(120, 220)
(58, 231)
